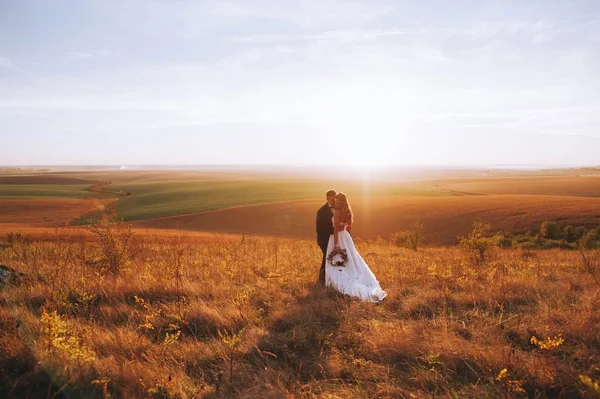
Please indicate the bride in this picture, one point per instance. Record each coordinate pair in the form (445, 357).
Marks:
(354, 278)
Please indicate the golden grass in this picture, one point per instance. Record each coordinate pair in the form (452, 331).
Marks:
(444, 218)
(195, 316)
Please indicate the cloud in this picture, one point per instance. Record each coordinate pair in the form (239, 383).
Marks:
(340, 35)
(10, 65)
(79, 56)
(365, 70)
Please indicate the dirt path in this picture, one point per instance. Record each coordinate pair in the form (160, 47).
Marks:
(103, 188)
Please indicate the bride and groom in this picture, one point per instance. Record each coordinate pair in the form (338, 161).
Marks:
(350, 274)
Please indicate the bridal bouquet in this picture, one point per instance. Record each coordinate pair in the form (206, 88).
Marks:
(338, 257)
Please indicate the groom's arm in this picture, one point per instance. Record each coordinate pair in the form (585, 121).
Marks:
(330, 229)
(318, 222)
(324, 225)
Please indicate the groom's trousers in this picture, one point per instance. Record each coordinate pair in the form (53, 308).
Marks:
(323, 242)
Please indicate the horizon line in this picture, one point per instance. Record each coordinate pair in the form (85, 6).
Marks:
(126, 166)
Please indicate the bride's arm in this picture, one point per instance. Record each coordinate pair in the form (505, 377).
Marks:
(336, 227)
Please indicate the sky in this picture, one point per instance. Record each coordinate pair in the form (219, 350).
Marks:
(342, 82)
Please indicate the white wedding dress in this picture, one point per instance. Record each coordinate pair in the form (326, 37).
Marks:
(355, 278)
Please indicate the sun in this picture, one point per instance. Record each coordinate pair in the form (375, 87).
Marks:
(368, 154)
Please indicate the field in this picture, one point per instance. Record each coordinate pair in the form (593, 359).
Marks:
(444, 218)
(578, 186)
(161, 199)
(45, 212)
(213, 291)
(162, 194)
(241, 317)
(29, 191)
(285, 202)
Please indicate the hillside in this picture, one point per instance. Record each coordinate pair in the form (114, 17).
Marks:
(241, 317)
(444, 218)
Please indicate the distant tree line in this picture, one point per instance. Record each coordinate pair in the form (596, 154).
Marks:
(551, 235)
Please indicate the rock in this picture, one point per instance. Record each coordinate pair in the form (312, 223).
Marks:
(9, 275)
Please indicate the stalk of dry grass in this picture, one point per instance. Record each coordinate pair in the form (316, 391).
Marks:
(229, 316)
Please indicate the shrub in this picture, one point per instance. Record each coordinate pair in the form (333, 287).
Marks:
(591, 264)
(12, 238)
(527, 245)
(399, 238)
(569, 233)
(504, 242)
(409, 238)
(547, 244)
(477, 244)
(115, 241)
(572, 234)
(563, 244)
(590, 240)
(550, 230)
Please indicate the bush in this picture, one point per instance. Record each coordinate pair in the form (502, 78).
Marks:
(476, 244)
(590, 240)
(115, 241)
(399, 238)
(591, 264)
(571, 238)
(569, 233)
(572, 234)
(527, 245)
(567, 245)
(548, 244)
(504, 242)
(550, 230)
(415, 235)
(12, 238)
(409, 238)
(522, 239)
(552, 244)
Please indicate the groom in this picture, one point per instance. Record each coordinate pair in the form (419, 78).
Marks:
(325, 229)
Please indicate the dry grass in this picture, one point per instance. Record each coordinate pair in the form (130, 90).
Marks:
(444, 218)
(195, 316)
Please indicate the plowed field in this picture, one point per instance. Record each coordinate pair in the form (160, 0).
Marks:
(444, 218)
(46, 212)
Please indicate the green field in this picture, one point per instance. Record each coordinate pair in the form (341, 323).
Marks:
(169, 198)
(48, 191)
(154, 195)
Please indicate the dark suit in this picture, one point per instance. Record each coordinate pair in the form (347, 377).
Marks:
(324, 231)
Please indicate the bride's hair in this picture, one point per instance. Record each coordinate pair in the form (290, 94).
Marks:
(347, 215)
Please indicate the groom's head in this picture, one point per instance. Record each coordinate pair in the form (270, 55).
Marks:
(330, 195)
